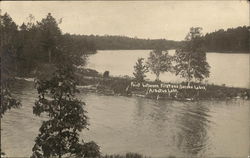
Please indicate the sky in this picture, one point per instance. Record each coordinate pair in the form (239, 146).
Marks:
(142, 19)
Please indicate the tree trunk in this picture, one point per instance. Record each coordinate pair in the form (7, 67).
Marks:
(49, 56)
(157, 77)
(189, 75)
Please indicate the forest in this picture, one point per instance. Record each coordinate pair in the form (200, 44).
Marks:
(231, 40)
(108, 42)
(45, 37)
(32, 45)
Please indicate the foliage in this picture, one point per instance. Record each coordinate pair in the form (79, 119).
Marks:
(108, 42)
(89, 150)
(37, 43)
(230, 40)
(139, 70)
(119, 85)
(191, 59)
(88, 72)
(35, 46)
(127, 155)
(79, 48)
(7, 100)
(60, 134)
(8, 50)
(106, 74)
(159, 62)
(49, 35)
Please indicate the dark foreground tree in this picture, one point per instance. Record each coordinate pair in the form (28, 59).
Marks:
(7, 99)
(191, 59)
(139, 70)
(158, 62)
(59, 136)
(8, 49)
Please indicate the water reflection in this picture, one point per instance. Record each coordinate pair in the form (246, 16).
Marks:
(183, 127)
(193, 123)
(154, 128)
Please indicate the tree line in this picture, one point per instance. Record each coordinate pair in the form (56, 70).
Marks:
(36, 43)
(231, 40)
(42, 47)
(108, 42)
(189, 61)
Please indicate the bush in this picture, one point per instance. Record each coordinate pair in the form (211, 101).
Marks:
(127, 155)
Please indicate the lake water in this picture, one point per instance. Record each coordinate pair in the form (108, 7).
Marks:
(150, 127)
(229, 69)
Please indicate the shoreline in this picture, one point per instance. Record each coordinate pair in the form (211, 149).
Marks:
(173, 91)
(121, 86)
(207, 51)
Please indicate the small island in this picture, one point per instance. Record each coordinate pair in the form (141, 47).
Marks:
(126, 86)
(188, 62)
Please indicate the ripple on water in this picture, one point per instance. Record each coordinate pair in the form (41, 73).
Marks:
(154, 128)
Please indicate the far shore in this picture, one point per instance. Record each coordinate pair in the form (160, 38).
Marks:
(210, 51)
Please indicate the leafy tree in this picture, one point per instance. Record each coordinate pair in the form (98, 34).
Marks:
(7, 100)
(21, 50)
(159, 62)
(139, 70)
(59, 136)
(8, 49)
(191, 59)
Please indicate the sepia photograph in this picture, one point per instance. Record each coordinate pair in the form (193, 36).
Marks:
(125, 79)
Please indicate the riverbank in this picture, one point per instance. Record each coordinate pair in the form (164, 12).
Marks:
(229, 52)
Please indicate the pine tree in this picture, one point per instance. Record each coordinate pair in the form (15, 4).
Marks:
(139, 70)
(50, 35)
